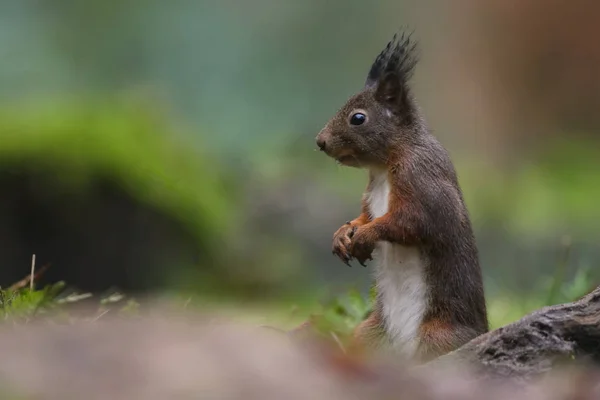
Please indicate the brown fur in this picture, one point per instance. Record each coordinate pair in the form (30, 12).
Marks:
(368, 333)
(426, 207)
(437, 337)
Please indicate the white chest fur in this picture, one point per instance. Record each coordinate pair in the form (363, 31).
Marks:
(399, 275)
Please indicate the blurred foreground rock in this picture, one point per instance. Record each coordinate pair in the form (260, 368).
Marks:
(190, 356)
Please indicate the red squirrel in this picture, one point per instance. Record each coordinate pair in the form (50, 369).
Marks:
(413, 222)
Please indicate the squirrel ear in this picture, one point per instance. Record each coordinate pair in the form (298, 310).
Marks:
(391, 91)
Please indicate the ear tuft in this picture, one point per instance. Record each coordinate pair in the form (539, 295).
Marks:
(392, 70)
(399, 56)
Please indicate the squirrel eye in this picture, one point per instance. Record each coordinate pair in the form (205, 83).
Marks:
(358, 119)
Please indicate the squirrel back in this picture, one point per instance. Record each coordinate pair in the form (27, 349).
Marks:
(413, 218)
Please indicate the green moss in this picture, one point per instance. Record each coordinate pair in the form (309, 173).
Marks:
(133, 146)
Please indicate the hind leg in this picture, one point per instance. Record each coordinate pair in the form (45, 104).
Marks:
(437, 337)
(368, 334)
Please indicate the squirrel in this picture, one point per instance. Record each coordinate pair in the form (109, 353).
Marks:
(413, 221)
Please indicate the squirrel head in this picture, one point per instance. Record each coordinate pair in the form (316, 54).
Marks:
(371, 123)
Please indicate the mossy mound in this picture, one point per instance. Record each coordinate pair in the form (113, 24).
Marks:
(89, 183)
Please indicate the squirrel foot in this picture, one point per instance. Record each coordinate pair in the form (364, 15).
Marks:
(341, 242)
(362, 244)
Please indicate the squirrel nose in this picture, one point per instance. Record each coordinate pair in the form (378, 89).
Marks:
(321, 143)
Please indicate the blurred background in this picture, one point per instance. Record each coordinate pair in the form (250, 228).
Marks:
(169, 146)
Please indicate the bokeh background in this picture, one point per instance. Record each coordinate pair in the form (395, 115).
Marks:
(169, 146)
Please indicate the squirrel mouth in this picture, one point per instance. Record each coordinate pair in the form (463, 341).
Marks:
(349, 160)
(344, 158)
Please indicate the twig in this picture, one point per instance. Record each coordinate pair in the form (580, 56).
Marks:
(272, 328)
(338, 341)
(32, 273)
(97, 317)
(187, 302)
(28, 279)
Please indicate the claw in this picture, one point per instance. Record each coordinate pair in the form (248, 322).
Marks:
(361, 262)
(351, 233)
(344, 257)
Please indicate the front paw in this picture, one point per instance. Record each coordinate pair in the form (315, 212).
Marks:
(341, 242)
(362, 245)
